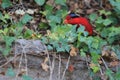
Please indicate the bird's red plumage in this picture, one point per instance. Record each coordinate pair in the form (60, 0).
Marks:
(80, 20)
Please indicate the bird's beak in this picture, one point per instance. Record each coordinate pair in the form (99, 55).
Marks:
(65, 21)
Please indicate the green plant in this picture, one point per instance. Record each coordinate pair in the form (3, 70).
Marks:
(6, 3)
(60, 38)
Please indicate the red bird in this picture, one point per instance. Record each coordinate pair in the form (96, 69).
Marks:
(74, 19)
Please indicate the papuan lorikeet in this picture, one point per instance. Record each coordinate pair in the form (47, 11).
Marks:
(74, 19)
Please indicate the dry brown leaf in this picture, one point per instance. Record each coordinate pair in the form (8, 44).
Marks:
(89, 11)
(22, 72)
(2, 73)
(0, 2)
(114, 63)
(100, 62)
(92, 65)
(105, 53)
(76, 5)
(46, 60)
(48, 32)
(108, 53)
(113, 55)
(87, 3)
(45, 66)
(73, 51)
(71, 68)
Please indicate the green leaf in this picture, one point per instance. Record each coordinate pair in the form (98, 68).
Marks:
(105, 12)
(95, 44)
(1, 14)
(49, 47)
(93, 16)
(10, 72)
(99, 20)
(43, 25)
(95, 69)
(107, 22)
(28, 33)
(81, 29)
(26, 18)
(40, 2)
(25, 77)
(44, 40)
(85, 33)
(6, 3)
(117, 75)
(117, 0)
(109, 73)
(7, 16)
(105, 32)
(19, 24)
(116, 49)
(67, 48)
(82, 53)
(55, 19)
(9, 40)
(95, 57)
(61, 2)
(6, 51)
(60, 49)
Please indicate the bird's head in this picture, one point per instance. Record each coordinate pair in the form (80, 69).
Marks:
(70, 16)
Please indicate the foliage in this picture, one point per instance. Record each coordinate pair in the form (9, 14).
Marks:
(26, 18)
(40, 2)
(6, 3)
(25, 77)
(61, 36)
(10, 72)
(116, 4)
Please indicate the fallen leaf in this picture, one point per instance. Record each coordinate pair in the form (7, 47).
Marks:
(114, 63)
(45, 66)
(113, 55)
(89, 11)
(2, 73)
(92, 65)
(0, 2)
(22, 72)
(100, 62)
(30, 11)
(20, 12)
(87, 3)
(46, 60)
(105, 52)
(71, 68)
(73, 51)
(76, 5)
(108, 53)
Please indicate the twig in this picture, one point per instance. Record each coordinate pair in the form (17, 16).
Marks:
(23, 54)
(59, 67)
(8, 62)
(104, 63)
(50, 63)
(19, 66)
(52, 68)
(101, 70)
(26, 63)
(66, 68)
